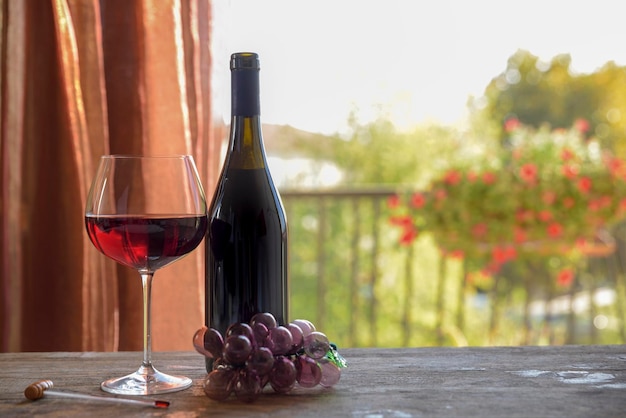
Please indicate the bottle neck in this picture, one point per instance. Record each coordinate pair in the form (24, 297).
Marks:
(246, 147)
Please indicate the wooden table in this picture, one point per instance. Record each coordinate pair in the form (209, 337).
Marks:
(574, 381)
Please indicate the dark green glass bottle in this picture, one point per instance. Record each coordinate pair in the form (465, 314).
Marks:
(246, 250)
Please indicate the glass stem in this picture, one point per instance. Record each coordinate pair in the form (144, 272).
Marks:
(146, 283)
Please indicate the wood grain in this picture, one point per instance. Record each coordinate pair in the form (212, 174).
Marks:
(572, 381)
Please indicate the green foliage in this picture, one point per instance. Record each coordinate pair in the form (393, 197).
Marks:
(538, 93)
(546, 186)
(378, 154)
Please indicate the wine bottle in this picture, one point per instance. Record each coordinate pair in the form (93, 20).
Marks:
(246, 251)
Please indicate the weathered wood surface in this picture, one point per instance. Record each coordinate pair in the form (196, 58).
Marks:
(574, 381)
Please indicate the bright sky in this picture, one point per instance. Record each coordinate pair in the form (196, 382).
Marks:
(417, 60)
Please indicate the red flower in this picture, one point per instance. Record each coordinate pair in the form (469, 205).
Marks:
(568, 202)
(567, 154)
(581, 125)
(511, 124)
(408, 236)
(401, 220)
(581, 243)
(545, 215)
(622, 205)
(393, 202)
(606, 201)
(584, 185)
(569, 171)
(554, 230)
(498, 255)
(489, 177)
(616, 166)
(511, 253)
(452, 177)
(501, 255)
(409, 231)
(520, 235)
(457, 254)
(418, 200)
(594, 205)
(528, 173)
(440, 194)
(565, 277)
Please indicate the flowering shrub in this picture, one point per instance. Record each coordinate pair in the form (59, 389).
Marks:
(543, 191)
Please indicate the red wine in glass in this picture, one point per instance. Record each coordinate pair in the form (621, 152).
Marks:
(145, 242)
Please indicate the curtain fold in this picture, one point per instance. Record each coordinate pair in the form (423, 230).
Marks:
(82, 78)
(13, 37)
(78, 32)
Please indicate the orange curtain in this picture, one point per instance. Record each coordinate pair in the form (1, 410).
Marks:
(82, 78)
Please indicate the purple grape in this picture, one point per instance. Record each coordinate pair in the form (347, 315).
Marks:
(269, 344)
(198, 342)
(330, 373)
(307, 327)
(219, 384)
(213, 342)
(237, 349)
(297, 337)
(309, 372)
(264, 318)
(316, 345)
(241, 328)
(261, 361)
(248, 386)
(281, 340)
(283, 375)
(260, 332)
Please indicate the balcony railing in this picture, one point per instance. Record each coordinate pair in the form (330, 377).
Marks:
(358, 214)
(351, 278)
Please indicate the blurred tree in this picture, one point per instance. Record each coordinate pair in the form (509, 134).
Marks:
(535, 93)
(611, 113)
(378, 154)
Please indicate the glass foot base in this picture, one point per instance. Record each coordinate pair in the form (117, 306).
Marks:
(146, 381)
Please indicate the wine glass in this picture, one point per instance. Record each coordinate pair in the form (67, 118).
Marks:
(145, 213)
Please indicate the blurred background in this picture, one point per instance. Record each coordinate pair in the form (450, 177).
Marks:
(453, 171)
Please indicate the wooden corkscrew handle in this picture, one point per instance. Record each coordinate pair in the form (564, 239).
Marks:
(35, 391)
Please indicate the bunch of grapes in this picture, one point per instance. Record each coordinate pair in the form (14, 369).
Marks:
(250, 356)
